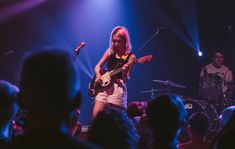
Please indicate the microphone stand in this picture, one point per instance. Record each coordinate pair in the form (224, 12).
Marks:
(151, 38)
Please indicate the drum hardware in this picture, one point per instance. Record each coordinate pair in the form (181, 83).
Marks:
(229, 93)
(220, 104)
(227, 102)
(169, 83)
(193, 106)
(152, 91)
(211, 86)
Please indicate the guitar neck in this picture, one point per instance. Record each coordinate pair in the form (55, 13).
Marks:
(115, 71)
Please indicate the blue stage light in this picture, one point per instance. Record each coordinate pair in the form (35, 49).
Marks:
(199, 53)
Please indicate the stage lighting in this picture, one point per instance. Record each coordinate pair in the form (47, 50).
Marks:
(199, 53)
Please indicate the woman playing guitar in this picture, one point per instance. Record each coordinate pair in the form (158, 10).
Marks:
(118, 55)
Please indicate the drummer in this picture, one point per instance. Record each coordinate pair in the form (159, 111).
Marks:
(219, 75)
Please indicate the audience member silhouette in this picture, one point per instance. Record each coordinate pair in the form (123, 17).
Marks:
(165, 116)
(8, 110)
(225, 137)
(197, 130)
(74, 125)
(146, 138)
(135, 109)
(226, 115)
(136, 112)
(112, 129)
(49, 86)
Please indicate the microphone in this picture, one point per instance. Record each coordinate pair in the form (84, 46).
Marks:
(77, 50)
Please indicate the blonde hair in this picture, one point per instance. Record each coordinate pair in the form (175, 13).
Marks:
(123, 32)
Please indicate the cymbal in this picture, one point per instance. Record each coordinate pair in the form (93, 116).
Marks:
(169, 83)
(152, 91)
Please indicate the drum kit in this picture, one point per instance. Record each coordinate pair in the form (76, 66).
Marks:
(209, 90)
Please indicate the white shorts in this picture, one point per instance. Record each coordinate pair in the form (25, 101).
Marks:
(115, 94)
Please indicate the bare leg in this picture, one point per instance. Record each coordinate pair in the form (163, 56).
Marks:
(99, 106)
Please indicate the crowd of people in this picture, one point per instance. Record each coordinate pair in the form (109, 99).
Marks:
(44, 110)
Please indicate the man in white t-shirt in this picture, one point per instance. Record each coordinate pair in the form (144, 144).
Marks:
(215, 79)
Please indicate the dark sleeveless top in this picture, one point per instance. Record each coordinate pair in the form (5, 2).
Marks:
(114, 63)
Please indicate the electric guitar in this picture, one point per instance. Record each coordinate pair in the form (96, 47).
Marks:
(107, 77)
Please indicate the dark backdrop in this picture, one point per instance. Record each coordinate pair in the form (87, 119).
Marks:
(65, 23)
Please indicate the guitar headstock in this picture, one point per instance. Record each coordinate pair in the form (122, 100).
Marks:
(144, 59)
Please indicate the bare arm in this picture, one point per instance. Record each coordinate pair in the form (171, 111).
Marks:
(127, 68)
(229, 77)
(203, 72)
(100, 64)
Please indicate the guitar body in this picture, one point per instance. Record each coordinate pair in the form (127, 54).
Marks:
(106, 77)
(96, 87)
